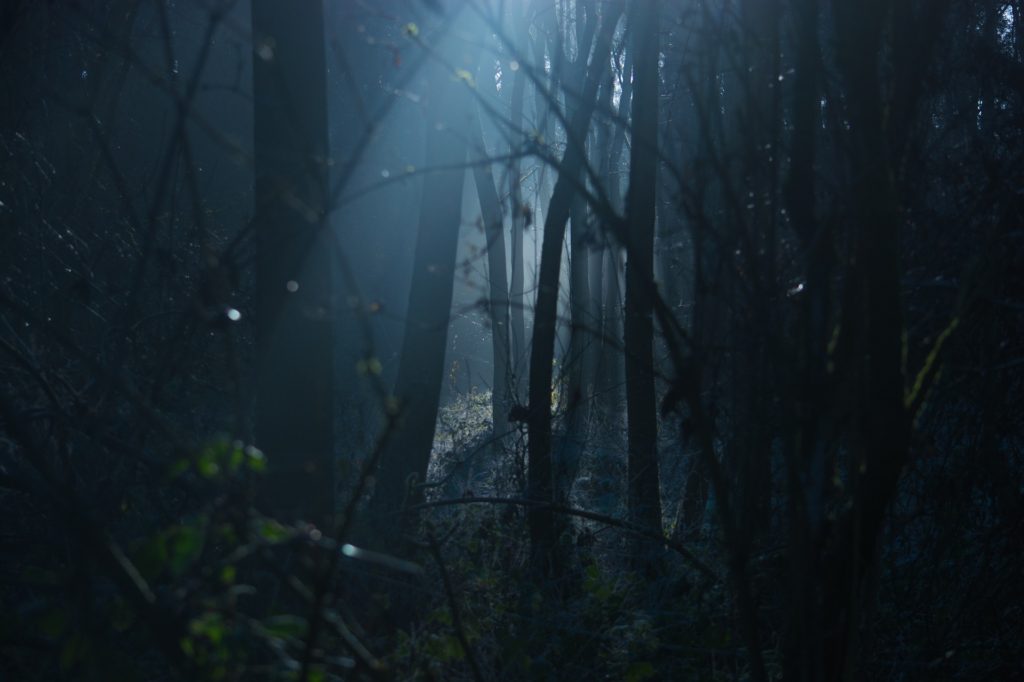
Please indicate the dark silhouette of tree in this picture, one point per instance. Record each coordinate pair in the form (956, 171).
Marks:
(522, 217)
(497, 290)
(421, 364)
(577, 360)
(295, 419)
(644, 483)
(540, 485)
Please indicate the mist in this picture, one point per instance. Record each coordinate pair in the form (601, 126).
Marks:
(511, 339)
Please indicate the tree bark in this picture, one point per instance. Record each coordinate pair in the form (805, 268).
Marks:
(806, 467)
(757, 118)
(576, 363)
(497, 279)
(874, 325)
(644, 495)
(295, 395)
(421, 363)
(613, 368)
(519, 211)
(540, 483)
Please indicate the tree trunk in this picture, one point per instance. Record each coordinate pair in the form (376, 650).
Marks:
(540, 483)
(576, 363)
(806, 467)
(613, 368)
(595, 306)
(577, 360)
(295, 415)
(497, 302)
(881, 437)
(421, 364)
(519, 212)
(644, 495)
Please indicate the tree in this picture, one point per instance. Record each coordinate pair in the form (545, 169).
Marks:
(644, 483)
(540, 476)
(612, 364)
(520, 223)
(421, 363)
(497, 299)
(295, 414)
(577, 362)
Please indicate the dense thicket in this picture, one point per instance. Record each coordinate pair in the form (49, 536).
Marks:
(539, 339)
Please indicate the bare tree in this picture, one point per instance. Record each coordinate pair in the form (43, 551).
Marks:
(421, 364)
(295, 420)
(642, 419)
(497, 280)
(540, 482)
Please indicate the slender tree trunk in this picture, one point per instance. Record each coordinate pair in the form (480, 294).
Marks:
(295, 398)
(497, 302)
(595, 306)
(644, 485)
(545, 59)
(806, 468)
(613, 371)
(881, 437)
(710, 253)
(595, 315)
(613, 368)
(421, 364)
(519, 212)
(758, 114)
(540, 483)
(576, 362)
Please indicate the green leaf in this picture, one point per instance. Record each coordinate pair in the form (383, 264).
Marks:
(227, 574)
(255, 459)
(272, 531)
(184, 545)
(286, 625)
(642, 670)
(235, 459)
(209, 625)
(223, 457)
(595, 584)
(207, 466)
(188, 647)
